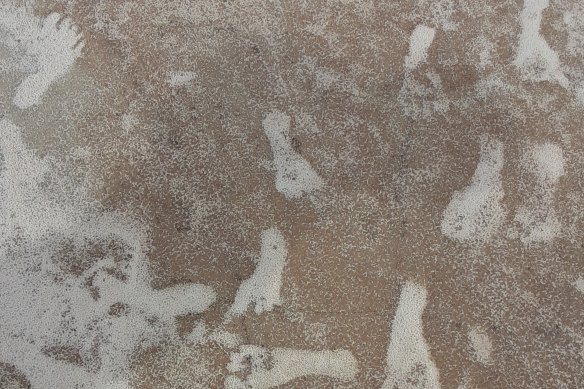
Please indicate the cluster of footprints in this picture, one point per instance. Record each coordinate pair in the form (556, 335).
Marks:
(53, 44)
(473, 214)
(476, 213)
(408, 361)
(409, 364)
(114, 340)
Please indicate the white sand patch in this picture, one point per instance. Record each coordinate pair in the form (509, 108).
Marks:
(549, 163)
(225, 338)
(481, 345)
(263, 288)
(579, 284)
(275, 367)
(51, 46)
(420, 42)
(475, 212)
(409, 365)
(106, 310)
(535, 58)
(180, 78)
(294, 175)
(537, 216)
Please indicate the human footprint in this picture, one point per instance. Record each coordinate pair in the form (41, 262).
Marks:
(417, 97)
(537, 217)
(55, 45)
(535, 58)
(294, 175)
(263, 288)
(263, 368)
(475, 212)
(409, 364)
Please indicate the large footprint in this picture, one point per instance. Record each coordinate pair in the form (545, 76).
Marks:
(535, 58)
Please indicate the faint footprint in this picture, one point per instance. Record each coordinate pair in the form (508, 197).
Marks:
(421, 94)
(254, 367)
(55, 45)
(475, 212)
(537, 216)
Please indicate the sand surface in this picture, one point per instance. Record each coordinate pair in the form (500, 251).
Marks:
(261, 194)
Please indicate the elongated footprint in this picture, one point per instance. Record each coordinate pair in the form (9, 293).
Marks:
(475, 212)
(294, 175)
(409, 365)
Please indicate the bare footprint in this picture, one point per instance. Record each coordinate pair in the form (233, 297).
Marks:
(536, 216)
(294, 175)
(535, 58)
(263, 288)
(417, 98)
(409, 365)
(475, 212)
(254, 367)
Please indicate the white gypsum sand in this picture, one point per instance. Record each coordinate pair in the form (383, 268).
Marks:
(534, 57)
(294, 175)
(275, 367)
(104, 317)
(263, 288)
(475, 212)
(537, 216)
(46, 47)
(408, 362)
